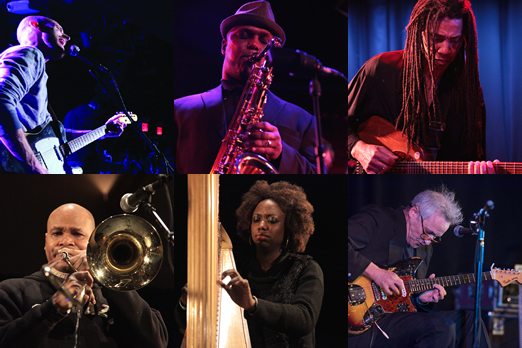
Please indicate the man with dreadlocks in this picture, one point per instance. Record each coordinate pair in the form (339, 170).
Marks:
(430, 91)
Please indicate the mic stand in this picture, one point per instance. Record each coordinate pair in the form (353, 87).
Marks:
(134, 124)
(169, 235)
(315, 93)
(479, 259)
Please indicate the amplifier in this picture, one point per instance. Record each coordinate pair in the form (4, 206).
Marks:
(465, 296)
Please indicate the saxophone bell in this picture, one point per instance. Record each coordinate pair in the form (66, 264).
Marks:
(252, 163)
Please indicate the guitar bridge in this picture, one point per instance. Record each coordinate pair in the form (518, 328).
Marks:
(378, 293)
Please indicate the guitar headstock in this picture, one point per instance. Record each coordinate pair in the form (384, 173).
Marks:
(123, 118)
(506, 276)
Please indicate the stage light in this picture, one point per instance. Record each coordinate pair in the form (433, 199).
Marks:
(159, 130)
(22, 7)
(144, 127)
(104, 183)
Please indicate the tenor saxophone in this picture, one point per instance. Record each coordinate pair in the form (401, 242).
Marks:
(232, 157)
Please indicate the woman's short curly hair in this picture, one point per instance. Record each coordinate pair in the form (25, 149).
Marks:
(299, 224)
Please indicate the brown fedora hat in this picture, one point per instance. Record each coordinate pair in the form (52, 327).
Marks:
(256, 13)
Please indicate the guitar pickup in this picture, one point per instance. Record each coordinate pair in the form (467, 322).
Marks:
(356, 295)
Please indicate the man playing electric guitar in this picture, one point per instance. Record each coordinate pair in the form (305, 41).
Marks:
(430, 91)
(23, 89)
(385, 236)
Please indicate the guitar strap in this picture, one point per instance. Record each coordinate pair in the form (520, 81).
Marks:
(55, 124)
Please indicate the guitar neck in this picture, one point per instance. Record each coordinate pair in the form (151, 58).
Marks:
(419, 285)
(444, 167)
(84, 140)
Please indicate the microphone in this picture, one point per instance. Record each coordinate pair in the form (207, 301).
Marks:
(74, 50)
(461, 231)
(299, 63)
(130, 202)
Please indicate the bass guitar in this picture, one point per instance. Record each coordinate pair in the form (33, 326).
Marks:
(367, 302)
(413, 159)
(50, 153)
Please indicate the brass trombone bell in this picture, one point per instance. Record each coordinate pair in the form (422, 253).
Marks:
(124, 253)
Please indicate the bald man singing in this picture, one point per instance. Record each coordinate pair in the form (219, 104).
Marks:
(23, 99)
(34, 314)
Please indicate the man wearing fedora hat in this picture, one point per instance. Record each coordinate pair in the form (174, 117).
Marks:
(286, 135)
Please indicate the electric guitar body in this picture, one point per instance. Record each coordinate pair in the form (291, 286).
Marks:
(413, 159)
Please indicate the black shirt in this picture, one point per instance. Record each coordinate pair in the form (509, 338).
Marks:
(378, 235)
(290, 295)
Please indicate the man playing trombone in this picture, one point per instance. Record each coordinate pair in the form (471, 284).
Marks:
(33, 313)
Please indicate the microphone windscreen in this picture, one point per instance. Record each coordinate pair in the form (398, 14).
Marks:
(461, 231)
(294, 61)
(74, 50)
(456, 231)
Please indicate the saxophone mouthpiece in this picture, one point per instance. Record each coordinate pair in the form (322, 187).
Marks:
(254, 58)
(274, 42)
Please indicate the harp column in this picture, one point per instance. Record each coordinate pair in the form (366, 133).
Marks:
(202, 262)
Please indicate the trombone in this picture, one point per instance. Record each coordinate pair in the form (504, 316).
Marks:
(124, 253)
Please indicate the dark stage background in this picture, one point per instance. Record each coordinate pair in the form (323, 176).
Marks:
(315, 27)
(134, 39)
(28, 200)
(376, 26)
(503, 242)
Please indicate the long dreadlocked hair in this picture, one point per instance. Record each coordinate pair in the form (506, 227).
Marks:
(465, 94)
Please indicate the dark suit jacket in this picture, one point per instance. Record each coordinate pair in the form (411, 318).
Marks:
(200, 127)
(378, 235)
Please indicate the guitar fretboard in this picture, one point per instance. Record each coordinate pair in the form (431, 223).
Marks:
(446, 167)
(86, 139)
(418, 285)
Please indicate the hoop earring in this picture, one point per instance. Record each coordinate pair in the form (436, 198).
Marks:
(250, 240)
